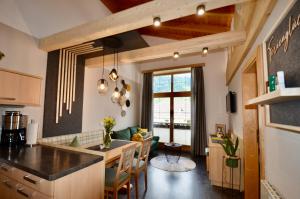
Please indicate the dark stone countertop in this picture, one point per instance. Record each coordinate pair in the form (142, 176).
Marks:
(46, 162)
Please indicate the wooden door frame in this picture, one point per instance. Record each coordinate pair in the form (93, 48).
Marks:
(254, 116)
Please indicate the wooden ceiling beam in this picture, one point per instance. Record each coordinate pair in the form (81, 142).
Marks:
(195, 45)
(167, 33)
(253, 25)
(129, 19)
(203, 28)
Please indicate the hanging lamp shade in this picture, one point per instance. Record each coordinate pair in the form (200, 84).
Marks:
(102, 86)
(113, 75)
(115, 96)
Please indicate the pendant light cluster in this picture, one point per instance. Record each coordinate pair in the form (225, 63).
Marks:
(200, 11)
(119, 96)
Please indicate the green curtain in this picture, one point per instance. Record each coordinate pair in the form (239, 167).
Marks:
(199, 136)
(147, 102)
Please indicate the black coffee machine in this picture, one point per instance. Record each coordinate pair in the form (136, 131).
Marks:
(13, 128)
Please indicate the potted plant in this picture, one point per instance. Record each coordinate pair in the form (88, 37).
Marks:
(230, 150)
(109, 123)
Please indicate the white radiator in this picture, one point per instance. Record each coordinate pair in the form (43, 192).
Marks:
(267, 191)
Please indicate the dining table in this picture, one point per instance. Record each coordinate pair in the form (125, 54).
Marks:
(113, 153)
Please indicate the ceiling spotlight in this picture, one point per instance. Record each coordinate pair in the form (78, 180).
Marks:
(176, 55)
(204, 50)
(156, 21)
(201, 10)
(113, 75)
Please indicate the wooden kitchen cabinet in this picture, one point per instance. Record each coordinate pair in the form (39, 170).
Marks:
(85, 183)
(19, 88)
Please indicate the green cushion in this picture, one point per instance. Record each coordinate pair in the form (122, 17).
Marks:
(110, 175)
(122, 134)
(133, 130)
(75, 142)
(134, 163)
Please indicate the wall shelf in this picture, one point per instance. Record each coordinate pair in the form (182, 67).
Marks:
(282, 95)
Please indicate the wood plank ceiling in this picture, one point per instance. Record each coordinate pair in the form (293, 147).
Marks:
(214, 21)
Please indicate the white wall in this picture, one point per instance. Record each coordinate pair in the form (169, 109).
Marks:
(96, 106)
(22, 54)
(11, 15)
(282, 160)
(214, 81)
(43, 18)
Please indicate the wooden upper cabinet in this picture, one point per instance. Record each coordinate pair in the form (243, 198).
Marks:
(19, 88)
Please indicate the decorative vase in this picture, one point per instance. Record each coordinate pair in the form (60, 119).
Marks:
(107, 140)
(232, 162)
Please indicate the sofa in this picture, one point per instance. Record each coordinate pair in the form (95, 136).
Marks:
(126, 134)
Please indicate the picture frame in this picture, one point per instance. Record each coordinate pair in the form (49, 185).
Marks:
(221, 128)
(268, 121)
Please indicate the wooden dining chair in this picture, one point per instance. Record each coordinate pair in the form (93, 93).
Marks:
(140, 164)
(117, 177)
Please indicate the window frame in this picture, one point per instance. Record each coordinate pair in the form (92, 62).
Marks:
(172, 95)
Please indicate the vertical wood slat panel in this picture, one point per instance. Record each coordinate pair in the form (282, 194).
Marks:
(62, 89)
(66, 77)
(74, 85)
(68, 80)
(71, 82)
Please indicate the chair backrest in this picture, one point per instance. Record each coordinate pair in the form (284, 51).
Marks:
(144, 151)
(125, 163)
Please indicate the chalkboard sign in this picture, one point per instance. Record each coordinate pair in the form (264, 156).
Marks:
(282, 53)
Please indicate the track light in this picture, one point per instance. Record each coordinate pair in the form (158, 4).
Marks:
(176, 55)
(200, 10)
(204, 50)
(156, 21)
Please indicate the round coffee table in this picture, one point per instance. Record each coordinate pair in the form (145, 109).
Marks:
(175, 148)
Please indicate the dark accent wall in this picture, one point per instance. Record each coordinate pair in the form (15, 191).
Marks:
(289, 62)
(68, 123)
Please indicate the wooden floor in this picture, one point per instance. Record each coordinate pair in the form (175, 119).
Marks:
(181, 185)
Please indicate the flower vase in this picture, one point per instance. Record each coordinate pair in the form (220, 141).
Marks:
(107, 140)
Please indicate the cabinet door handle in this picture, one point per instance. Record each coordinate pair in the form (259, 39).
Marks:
(5, 168)
(23, 193)
(6, 182)
(8, 98)
(27, 178)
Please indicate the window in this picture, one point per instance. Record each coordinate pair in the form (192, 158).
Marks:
(182, 82)
(162, 84)
(172, 107)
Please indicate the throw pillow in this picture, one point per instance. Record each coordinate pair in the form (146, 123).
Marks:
(75, 142)
(142, 131)
(133, 130)
(121, 135)
(137, 137)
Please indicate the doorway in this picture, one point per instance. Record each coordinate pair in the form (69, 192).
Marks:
(253, 117)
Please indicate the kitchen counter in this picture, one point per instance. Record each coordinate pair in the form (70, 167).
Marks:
(47, 162)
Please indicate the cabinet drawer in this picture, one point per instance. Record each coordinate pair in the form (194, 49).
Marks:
(24, 192)
(34, 182)
(6, 170)
(7, 187)
(44, 186)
